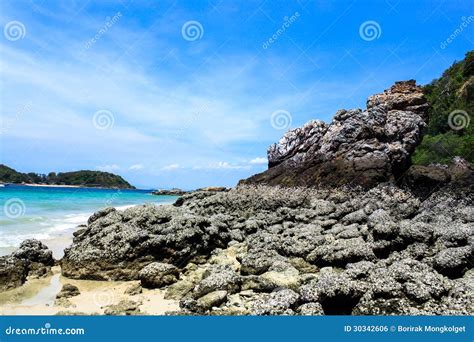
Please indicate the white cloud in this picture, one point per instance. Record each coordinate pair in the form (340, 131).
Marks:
(161, 105)
(108, 168)
(222, 165)
(170, 167)
(136, 167)
(259, 161)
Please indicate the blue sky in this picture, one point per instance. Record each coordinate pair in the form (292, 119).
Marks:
(123, 86)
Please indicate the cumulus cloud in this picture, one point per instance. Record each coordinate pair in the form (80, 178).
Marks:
(170, 167)
(136, 167)
(108, 168)
(224, 165)
(259, 161)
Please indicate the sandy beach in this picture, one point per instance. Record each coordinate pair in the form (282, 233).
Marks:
(37, 297)
(67, 186)
(53, 185)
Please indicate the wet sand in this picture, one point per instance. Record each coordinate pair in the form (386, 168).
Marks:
(37, 297)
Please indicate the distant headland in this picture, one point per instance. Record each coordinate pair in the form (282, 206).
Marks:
(82, 178)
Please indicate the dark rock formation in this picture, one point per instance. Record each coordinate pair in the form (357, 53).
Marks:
(117, 245)
(158, 274)
(13, 272)
(358, 147)
(290, 251)
(32, 258)
(171, 192)
(424, 180)
(68, 291)
(179, 192)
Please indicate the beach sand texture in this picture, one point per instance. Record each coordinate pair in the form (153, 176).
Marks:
(37, 297)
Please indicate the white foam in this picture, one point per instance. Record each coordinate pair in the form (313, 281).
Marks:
(15, 240)
(51, 228)
(123, 207)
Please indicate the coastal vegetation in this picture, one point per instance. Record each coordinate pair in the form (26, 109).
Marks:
(85, 178)
(450, 132)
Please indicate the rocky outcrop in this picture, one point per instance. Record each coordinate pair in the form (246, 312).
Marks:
(424, 180)
(31, 259)
(158, 274)
(117, 245)
(358, 147)
(292, 251)
(68, 291)
(171, 192)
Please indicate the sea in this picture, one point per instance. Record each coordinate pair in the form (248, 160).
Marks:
(51, 214)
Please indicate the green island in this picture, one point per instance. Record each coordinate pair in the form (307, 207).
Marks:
(82, 178)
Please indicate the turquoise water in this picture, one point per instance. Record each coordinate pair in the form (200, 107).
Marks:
(47, 213)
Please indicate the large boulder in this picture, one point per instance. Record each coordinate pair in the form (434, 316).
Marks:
(358, 147)
(32, 258)
(424, 180)
(157, 274)
(13, 272)
(116, 245)
(211, 300)
(281, 302)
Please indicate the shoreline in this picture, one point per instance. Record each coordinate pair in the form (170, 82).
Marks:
(58, 243)
(68, 186)
(37, 297)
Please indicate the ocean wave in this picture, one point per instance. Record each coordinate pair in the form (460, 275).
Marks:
(14, 240)
(50, 228)
(45, 228)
